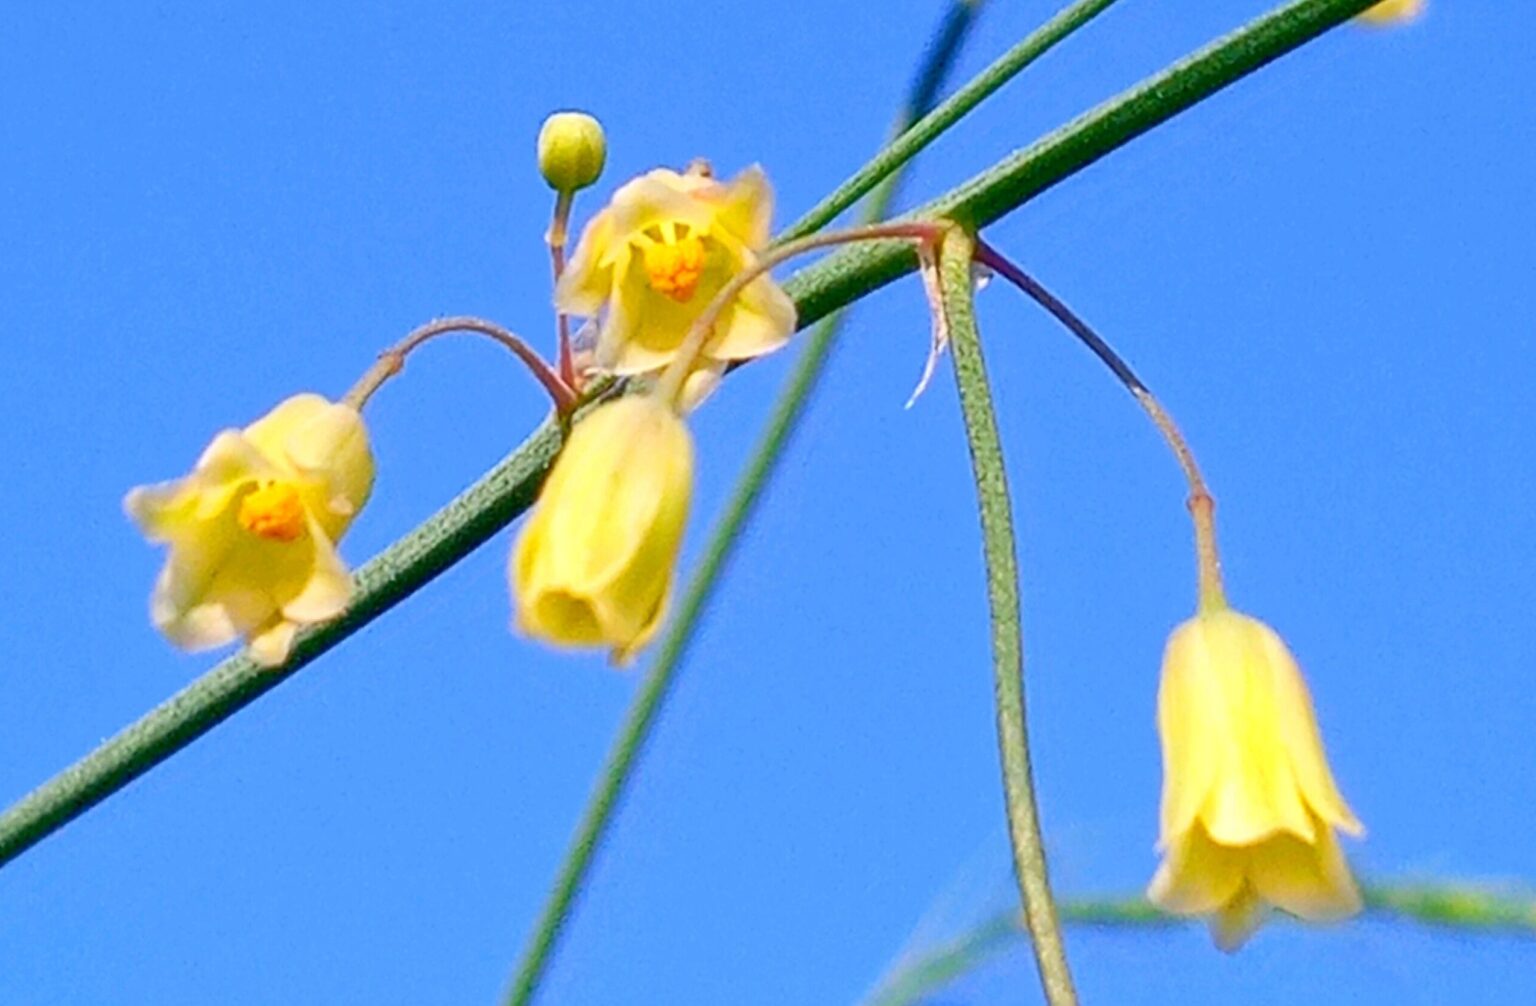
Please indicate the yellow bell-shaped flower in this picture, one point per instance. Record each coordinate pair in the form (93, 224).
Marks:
(252, 529)
(1393, 12)
(656, 256)
(1249, 806)
(593, 566)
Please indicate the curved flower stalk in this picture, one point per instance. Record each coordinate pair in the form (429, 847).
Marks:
(659, 253)
(1249, 806)
(509, 488)
(594, 564)
(252, 530)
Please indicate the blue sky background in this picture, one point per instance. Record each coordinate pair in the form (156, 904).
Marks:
(1326, 273)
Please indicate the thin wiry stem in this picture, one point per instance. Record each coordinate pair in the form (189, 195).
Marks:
(670, 386)
(1001, 552)
(559, 224)
(392, 360)
(1026, 173)
(919, 134)
(1202, 505)
(1463, 908)
(509, 488)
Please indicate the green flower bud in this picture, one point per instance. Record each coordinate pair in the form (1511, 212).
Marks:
(572, 150)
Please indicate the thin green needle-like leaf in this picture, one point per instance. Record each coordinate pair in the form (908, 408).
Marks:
(641, 717)
(848, 275)
(508, 489)
(1000, 549)
(919, 134)
(1460, 907)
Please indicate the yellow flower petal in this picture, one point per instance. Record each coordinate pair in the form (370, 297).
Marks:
(1249, 805)
(1198, 876)
(594, 563)
(1185, 703)
(251, 528)
(1393, 12)
(327, 587)
(1235, 921)
(270, 646)
(699, 385)
(1309, 881)
(658, 254)
(746, 208)
(1301, 739)
(761, 320)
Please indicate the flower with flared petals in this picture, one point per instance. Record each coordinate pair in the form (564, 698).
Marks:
(656, 256)
(593, 566)
(1249, 806)
(252, 529)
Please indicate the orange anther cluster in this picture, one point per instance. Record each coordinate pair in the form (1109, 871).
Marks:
(274, 512)
(674, 267)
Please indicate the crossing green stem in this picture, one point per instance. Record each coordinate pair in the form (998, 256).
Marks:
(641, 717)
(1463, 908)
(1001, 552)
(509, 488)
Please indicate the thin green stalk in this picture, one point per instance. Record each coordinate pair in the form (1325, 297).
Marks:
(508, 489)
(641, 717)
(396, 573)
(1463, 908)
(848, 275)
(1001, 552)
(910, 141)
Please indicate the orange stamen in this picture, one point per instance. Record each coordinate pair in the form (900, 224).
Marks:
(674, 267)
(274, 512)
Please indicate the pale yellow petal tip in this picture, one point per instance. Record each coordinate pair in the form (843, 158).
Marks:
(1393, 12)
(1250, 806)
(270, 649)
(698, 386)
(251, 529)
(1232, 926)
(593, 566)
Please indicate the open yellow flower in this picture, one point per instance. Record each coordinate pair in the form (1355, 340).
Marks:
(593, 566)
(659, 253)
(252, 529)
(1249, 806)
(1393, 11)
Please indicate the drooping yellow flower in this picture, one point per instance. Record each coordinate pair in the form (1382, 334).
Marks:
(656, 256)
(1249, 806)
(1393, 12)
(252, 529)
(593, 566)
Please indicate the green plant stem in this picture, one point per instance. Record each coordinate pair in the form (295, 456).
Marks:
(450, 534)
(920, 133)
(508, 489)
(1001, 552)
(1465, 908)
(848, 275)
(641, 717)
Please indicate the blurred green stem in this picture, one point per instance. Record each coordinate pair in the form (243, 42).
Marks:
(1464, 908)
(916, 132)
(509, 489)
(641, 717)
(958, 312)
